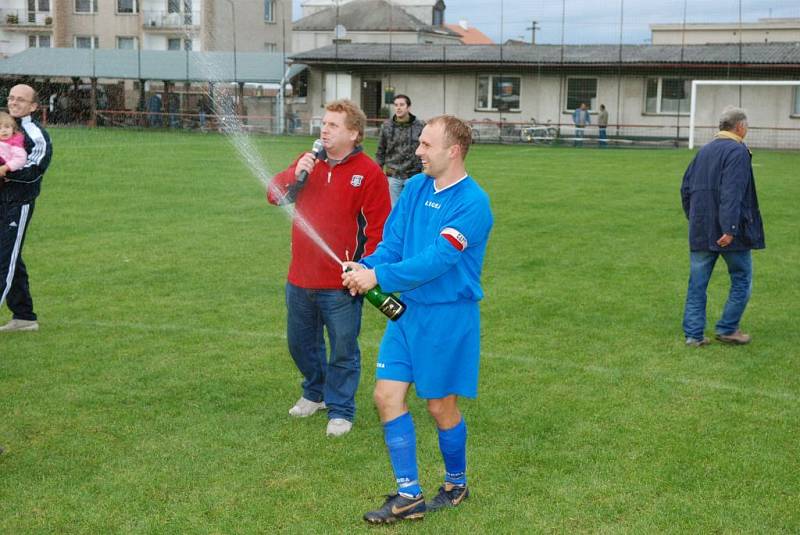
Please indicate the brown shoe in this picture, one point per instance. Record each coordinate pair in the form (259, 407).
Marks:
(735, 338)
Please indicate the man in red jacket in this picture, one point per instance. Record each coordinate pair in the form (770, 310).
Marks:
(341, 202)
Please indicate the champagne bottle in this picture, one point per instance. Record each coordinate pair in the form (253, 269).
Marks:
(389, 304)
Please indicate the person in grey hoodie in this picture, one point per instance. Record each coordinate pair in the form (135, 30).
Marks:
(397, 145)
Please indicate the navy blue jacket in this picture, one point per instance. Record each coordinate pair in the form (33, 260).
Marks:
(24, 184)
(719, 197)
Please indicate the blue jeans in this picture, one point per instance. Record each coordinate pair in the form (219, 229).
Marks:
(396, 186)
(333, 379)
(740, 269)
(603, 137)
(578, 136)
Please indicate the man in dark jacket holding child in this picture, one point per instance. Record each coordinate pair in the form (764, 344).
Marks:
(720, 202)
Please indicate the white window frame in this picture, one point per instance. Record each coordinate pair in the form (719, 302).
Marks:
(183, 43)
(590, 104)
(489, 87)
(796, 107)
(659, 96)
(133, 38)
(136, 8)
(38, 4)
(269, 14)
(95, 41)
(37, 37)
(92, 9)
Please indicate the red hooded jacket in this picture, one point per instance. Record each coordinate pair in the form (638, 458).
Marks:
(346, 205)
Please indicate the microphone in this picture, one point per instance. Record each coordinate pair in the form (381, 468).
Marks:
(315, 150)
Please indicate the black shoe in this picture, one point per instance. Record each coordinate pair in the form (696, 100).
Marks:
(449, 496)
(397, 507)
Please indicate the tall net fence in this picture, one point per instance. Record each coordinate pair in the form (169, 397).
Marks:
(617, 73)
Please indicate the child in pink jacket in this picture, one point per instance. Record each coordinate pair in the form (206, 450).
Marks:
(12, 143)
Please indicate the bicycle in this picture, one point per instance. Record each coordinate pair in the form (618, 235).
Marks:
(539, 132)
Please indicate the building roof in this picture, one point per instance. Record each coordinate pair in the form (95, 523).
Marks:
(366, 15)
(263, 67)
(751, 53)
(470, 36)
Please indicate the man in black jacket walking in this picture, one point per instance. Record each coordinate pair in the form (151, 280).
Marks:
(18, 192)
(720, 202)
(397, 146)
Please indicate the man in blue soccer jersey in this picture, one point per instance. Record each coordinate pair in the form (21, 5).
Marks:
(432, 251)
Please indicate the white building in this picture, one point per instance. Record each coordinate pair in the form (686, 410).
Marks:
(428, 11)
(766, 30)
(368, 21)
(201, 25)
(646, 89)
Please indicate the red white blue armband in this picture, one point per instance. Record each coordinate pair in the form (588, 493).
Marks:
(456, 239)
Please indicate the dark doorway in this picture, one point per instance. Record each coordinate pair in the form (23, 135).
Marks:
(371, 97)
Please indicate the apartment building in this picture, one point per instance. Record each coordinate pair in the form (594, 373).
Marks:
(201, 25)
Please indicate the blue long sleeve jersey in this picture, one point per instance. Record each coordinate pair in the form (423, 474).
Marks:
(434, 242)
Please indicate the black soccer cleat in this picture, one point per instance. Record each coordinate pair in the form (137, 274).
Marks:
(449, 496)
(397, 507)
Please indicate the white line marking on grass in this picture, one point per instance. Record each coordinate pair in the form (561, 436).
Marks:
(530, 360)
(593, 368)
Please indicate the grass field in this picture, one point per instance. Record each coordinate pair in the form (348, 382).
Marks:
(154, 398)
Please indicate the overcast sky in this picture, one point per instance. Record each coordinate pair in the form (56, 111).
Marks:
(598, 21)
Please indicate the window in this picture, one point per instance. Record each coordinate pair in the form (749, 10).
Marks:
(38, 41)
(438, 17)
(181, 6)
(796, 100)
(667, 95)
(498, 93)
(581, 90)
(127, 43)
(40, 5)
(83, 41)
(127, 6)
(269, 10)
(176, 43)
(270, 47)
(85, 6)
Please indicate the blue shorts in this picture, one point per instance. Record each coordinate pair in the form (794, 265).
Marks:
(436, 347)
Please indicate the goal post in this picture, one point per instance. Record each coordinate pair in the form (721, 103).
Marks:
(736, 83)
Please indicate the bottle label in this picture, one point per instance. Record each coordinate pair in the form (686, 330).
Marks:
(391, 307)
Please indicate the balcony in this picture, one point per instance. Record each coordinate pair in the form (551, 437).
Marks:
(24, 20)
(163, 21)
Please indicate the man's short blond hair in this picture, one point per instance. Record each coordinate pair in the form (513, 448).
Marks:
(355, 119)
(456, 132)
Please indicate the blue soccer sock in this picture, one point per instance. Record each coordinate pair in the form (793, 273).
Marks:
(453, 445)
(401, 441)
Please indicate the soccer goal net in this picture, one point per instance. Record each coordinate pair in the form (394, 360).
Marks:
(772, 106)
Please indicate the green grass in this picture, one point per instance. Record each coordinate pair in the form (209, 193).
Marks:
(154, 398)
